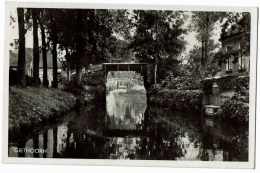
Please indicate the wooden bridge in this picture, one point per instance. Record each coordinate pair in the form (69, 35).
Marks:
(141, 68)
(138, 67)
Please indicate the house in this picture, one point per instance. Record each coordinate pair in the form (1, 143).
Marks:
(13, 63)
(238, 63)
(13, 60)
(224, 85)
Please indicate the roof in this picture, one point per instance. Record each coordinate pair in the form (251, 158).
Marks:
(230, 36)
(13, 59)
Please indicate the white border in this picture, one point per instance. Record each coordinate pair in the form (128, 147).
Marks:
(201, 164)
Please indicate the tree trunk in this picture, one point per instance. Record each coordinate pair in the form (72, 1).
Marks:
(44, 55)
(206, 39)
(67, 64)
(54, 62)
(79, 47)
(155, 70)
(21, 51)
(36, 81)
(54, 52)
(205, 45)
(157, 56)
(68, 72)
(202, 51)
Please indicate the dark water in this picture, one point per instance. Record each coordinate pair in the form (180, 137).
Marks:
(128, 128)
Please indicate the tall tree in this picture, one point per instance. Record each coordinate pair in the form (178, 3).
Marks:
(89, 36)
(79, 46)
(21, 50)
(36, 59)
(158, 39)
(203, 24)
(54, 38)
(44, 49)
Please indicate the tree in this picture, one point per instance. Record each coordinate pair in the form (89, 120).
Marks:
(203, 23)
(54, 39)
(79, 46)
(87, 36)
(21, 51)
(36, 58)
(44, 47)
(195, 70)
(158, 39)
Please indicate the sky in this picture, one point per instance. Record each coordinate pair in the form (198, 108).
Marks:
(190, 37)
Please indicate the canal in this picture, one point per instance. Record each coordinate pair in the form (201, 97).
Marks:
(128, 128)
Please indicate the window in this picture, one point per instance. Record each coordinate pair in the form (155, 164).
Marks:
(242, 62)
(229, 61)
(228, 64)
(228, 48)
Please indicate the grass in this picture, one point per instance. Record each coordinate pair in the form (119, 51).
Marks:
(31, 106)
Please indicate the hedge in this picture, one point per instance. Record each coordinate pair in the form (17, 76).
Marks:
(178, 99)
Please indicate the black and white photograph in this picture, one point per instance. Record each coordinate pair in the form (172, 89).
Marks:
(143, 84)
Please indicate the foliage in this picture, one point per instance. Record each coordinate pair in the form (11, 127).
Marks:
(203, 23)
(235, 24)
(95, 82)
(92, 86)
(180, 82)
(221, 56)
(238, 23)
(98, 30)
(13, 75)
(73, 87)
(234, 109)
(177, 99)
(193, 71)
(94, 79)
(239, 84)
(158, 39)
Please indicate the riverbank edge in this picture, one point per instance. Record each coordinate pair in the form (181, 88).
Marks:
(30, 107)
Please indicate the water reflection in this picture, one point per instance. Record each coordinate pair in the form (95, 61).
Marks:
(128, 128)
(166, 135)
(125, 101)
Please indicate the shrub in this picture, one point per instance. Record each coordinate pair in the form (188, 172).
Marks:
(97, 92)
(183, 83)
(13, 74)
(93, 79)
(72, 87)
(235, 110)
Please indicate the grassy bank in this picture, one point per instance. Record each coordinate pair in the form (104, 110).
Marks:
(31, 106)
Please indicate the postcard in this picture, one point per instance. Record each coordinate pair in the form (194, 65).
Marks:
(130, 85)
